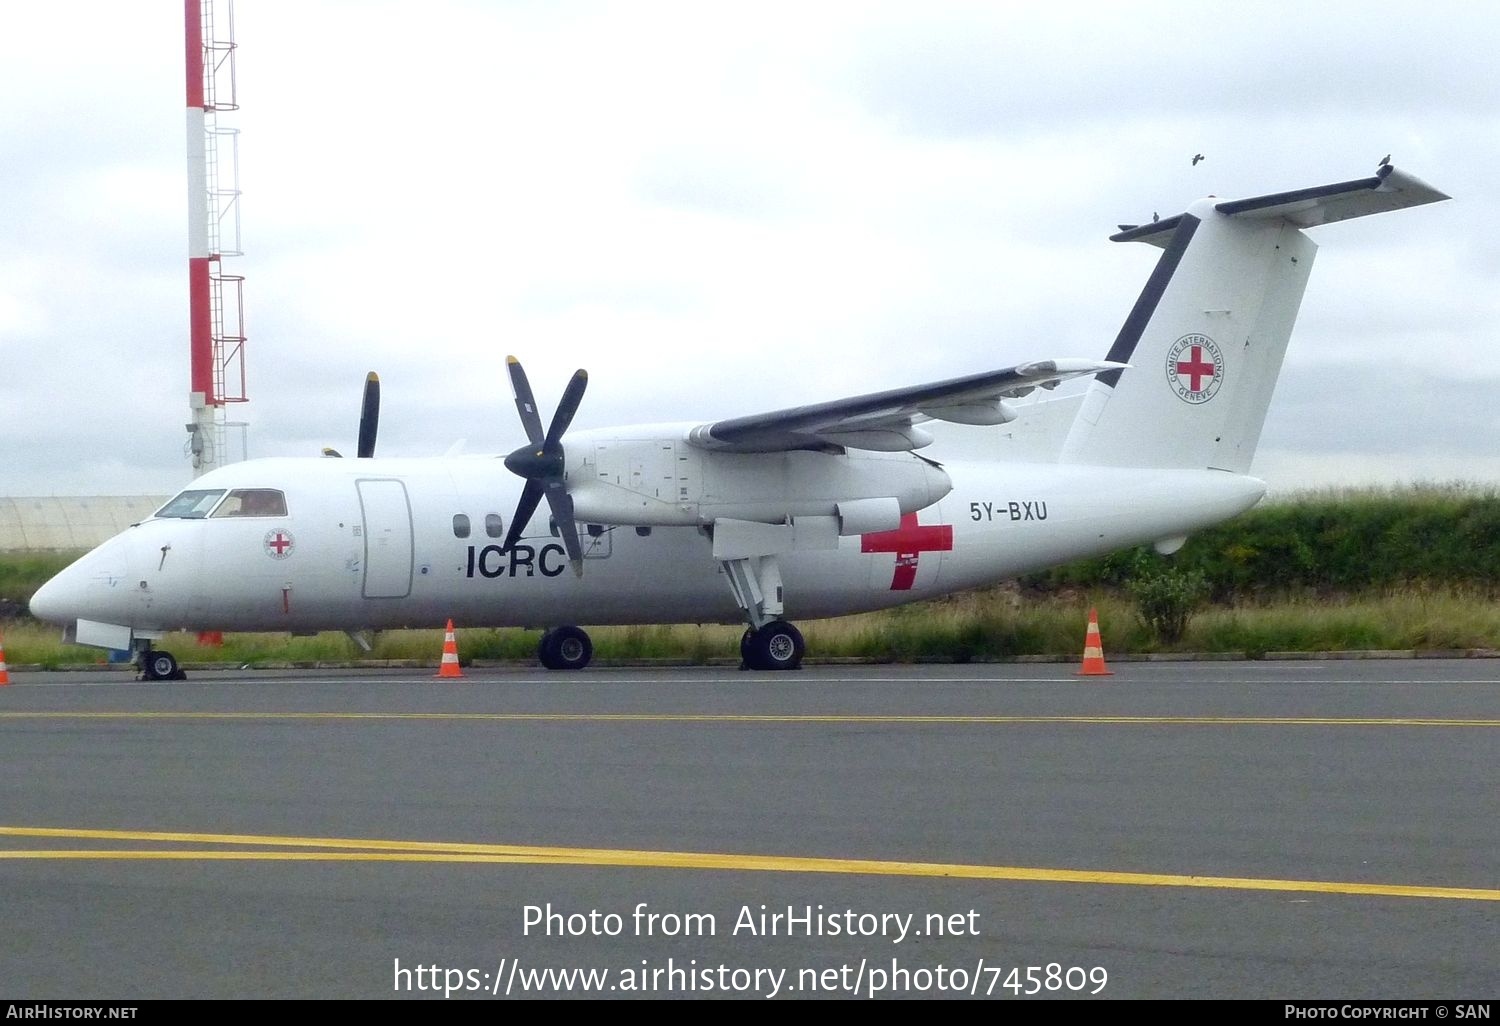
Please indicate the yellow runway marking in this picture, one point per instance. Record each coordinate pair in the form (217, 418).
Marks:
(1275, 721)
(335, 849)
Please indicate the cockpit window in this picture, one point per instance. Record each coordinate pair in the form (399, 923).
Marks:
(252, 502)
(191, 505)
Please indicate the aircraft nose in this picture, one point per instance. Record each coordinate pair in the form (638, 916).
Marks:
(56, 601)
(87, 588)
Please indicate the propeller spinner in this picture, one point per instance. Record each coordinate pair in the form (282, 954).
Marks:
(540, 461)
(369, 419)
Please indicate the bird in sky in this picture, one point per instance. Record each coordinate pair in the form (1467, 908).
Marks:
(1384, 160)
(1197, 157)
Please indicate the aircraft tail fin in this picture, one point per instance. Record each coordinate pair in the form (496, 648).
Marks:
(1206, 337)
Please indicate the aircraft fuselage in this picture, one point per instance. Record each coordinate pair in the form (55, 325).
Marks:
(390, 543)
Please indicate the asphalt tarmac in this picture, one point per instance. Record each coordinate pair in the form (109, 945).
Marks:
(1275, 830)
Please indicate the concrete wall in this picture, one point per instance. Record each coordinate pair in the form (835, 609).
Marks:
(65, 523)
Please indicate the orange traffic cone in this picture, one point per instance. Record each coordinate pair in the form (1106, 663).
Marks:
(449, 668)
(4, 674)
(1093, 651)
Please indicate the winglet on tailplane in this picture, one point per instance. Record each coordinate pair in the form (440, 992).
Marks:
(1206, 337)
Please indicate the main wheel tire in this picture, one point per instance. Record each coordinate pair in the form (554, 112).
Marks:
(566, 648)
(546, 652)
(776, 646)
(158, 665)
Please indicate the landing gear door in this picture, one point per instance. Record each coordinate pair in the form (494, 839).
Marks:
(388, 538)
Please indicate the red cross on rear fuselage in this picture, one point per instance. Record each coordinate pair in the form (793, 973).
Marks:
(908, 542)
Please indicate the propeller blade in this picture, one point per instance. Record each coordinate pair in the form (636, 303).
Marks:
(543, 463)
(562, 512)
(525, 401)
(531, 495)
(369, 416)
(567, 407)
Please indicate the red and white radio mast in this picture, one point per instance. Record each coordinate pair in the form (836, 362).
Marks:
(216, 300)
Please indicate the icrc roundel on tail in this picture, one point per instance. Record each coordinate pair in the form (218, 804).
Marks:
(1195, 368)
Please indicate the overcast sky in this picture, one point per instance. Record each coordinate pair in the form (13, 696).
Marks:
(724, 209)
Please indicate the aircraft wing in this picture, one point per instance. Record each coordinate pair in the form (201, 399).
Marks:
(886, 421)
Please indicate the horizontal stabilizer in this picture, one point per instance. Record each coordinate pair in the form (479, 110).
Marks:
(1387, 189)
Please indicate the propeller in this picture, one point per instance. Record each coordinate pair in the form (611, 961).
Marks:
(369, 420)
(540, 461)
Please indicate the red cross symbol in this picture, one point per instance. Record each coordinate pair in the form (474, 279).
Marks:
(1196, 369)
(908, 542)
(279, 542)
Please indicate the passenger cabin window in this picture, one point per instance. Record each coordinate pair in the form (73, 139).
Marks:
(493, 525)
(252, 502)
(460, 525)
(191, 505)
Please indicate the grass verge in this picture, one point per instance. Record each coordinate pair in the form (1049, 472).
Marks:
(989, 625)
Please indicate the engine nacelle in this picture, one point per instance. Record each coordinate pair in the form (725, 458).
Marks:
(666, 481)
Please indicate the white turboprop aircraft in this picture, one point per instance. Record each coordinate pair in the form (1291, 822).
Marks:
(816, 511)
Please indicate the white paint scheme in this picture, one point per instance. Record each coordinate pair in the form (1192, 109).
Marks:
(741, 520)
(670, 575)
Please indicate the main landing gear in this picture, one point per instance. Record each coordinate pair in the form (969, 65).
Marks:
(776, 645)
(565, 648)
(769, 643)
(158, 665)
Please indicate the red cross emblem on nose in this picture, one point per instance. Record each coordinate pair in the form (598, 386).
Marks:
(278, 544)
(908, 542)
